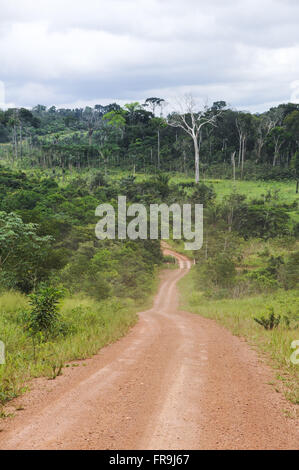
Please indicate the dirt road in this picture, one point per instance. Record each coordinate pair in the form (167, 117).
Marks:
(176, 381)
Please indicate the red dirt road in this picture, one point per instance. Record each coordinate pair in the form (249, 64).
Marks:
(176, 381)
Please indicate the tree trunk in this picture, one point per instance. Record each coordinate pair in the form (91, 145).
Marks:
(260, 145)
(158, 149)
(21, 141)
(240, 150)
(243, 155)
(15, 142)
(196, 156)
(234, 165)
(90, 133)
(276, 152)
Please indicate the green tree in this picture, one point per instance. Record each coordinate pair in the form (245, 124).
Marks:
(22, 252)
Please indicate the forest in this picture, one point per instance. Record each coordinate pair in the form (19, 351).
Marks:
(64, 294)
(140, 138)
(149, 227)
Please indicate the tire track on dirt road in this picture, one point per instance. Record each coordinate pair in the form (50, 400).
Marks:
(176, 381)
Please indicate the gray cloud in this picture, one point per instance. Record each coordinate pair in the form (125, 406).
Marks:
(68, 52)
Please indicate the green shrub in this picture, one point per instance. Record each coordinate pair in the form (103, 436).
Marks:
(270, 322)
(43, 319)
(203, 194)
(218, 272)
(289, 272)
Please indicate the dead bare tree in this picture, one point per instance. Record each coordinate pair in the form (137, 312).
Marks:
(234, 164)
(278, 137)
(192, 122)
(244, 128)
(265, 125)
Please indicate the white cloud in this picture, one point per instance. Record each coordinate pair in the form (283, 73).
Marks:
(242, 51)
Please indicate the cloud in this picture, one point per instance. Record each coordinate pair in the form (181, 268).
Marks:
(242, 51)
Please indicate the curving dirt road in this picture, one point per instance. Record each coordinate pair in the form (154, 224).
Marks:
(176, 381)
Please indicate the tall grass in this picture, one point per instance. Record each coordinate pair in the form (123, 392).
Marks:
(238, 316)
(90, 326)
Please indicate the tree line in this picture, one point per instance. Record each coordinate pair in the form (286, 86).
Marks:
(212, 140)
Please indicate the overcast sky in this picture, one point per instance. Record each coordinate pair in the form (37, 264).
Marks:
(70, 52)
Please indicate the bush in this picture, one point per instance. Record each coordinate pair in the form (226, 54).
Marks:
(270, 322)
(203, 195)
(289, 272)
(263, 222)
(98, 179)
(218, 272)
(43, 319)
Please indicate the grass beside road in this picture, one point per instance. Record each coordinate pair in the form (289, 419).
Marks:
(238, 316)
(91, 325)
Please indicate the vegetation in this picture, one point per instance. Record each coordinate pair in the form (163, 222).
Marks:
(271, 322)
(238, 314)
(88, 325)
(216, 141)
(64, 294)
(47, 234)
